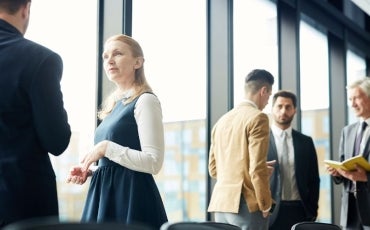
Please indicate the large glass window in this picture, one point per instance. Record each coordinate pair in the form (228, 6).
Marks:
(314, 98)
(174, 45)
(255, 42)
(74, 38)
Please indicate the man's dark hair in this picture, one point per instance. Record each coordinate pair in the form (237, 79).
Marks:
(258, 78)
(286, 94)
(12, 6)
(260, 75)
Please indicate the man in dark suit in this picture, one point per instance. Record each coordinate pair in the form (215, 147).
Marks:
(33, 121)
(355, 210)
(295, 182)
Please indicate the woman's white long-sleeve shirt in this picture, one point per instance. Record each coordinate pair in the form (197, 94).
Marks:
(148, 115)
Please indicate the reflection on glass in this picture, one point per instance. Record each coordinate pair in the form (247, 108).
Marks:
(356, 68)
(314, 84)
(77, 48)
(255, 42)
(175, 66)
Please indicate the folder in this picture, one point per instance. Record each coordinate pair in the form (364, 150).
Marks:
(349, 164)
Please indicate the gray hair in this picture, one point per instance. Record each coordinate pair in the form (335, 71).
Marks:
(362, 83)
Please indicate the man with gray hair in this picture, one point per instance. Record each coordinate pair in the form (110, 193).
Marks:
(355, 141)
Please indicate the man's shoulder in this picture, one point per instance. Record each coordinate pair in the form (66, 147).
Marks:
(296, 133)
(35, 47)
(349, 127)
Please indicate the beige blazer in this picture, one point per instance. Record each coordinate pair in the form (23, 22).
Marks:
(237, 160)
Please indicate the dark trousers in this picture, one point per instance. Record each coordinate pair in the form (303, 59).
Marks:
(290, 213)
(354, 221)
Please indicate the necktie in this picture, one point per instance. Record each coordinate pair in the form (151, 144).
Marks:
(285, 168)
(359, 138)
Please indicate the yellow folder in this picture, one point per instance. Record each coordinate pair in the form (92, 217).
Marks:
(349, 164)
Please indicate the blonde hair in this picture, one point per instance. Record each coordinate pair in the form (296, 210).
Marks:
(140, 83)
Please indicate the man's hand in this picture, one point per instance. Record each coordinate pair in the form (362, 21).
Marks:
(359, 174)
(271, 166)
(332, 171)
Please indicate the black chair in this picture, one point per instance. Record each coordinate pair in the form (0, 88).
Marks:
(189, 225)
(315, 226)
(53, 224)
(219, 225)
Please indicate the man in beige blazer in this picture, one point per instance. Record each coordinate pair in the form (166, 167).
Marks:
(237, 158)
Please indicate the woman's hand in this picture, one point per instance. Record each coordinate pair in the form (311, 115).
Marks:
(77, 176)
(94, 155)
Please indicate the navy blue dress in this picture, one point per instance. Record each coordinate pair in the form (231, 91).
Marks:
(116, 193)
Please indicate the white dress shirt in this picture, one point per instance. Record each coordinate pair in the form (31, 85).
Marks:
(278, 136)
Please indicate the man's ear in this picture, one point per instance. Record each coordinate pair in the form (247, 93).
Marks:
(26, 10)
(23, 15)
(263, 90)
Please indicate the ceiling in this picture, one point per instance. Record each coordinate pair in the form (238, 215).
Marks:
(364, 5)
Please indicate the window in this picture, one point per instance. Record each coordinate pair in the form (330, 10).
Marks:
(174, 46)
(77, 48)
(314, 96)
(255, 42)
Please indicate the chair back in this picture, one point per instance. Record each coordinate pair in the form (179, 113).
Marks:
(219, 225)
(51, 224)
(188, 225)
(315, 226)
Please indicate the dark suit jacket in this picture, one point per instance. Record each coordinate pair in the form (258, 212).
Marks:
(33, 123)
(346, 149)
(306, 172)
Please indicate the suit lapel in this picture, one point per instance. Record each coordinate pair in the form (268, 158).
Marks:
(297, 149)
(351, 137)
(274, 154)
(367, 149)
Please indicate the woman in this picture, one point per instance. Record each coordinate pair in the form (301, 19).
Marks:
(129, 144)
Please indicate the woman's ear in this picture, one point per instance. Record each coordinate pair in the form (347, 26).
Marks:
(139, 62)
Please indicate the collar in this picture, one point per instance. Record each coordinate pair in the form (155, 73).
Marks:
(367, 121)
(251, 103)
(6, 26)
(123, 96)
(279, 132)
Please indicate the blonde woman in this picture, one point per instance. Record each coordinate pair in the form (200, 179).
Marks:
(129, 144)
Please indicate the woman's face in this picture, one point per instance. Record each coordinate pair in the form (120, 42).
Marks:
(119, 64)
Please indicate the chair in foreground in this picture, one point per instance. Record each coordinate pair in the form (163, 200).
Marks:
(219, 225)
(52, 224)
(188, 225)
(315, 226)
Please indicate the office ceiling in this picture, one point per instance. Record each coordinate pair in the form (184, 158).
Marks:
(364, 5)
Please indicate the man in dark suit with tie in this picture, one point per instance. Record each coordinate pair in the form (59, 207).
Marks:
(295, 182)
(355, 209)
(33, 121)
